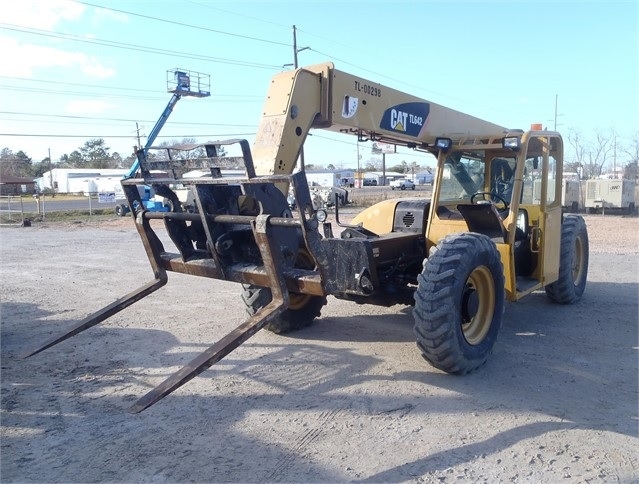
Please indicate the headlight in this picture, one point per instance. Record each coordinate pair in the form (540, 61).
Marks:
(321, 215)
(511, 143)
(443, 144)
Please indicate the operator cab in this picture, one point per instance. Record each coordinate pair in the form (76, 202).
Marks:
(476, 194)
(507, 194)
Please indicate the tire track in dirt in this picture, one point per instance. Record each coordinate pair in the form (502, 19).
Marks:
(301, 444)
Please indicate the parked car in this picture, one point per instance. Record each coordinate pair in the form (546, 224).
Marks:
(370, 182)
(402, 184)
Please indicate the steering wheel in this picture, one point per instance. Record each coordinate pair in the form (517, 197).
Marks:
(493, 198)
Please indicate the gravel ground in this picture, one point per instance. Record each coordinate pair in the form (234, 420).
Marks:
(347, 400)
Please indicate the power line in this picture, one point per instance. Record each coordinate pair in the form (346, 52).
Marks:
(139, 48)
(40, 135)
(99, 86)
(116, 96)
(123, 120)
(205, 5)
(191, 26)
(78, 93)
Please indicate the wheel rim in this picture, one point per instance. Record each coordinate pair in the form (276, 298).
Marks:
(478, 305)
(296, 300)
(578, 262)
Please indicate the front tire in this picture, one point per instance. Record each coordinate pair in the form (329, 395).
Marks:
(459, 303)
(573, 262)
(302, 310)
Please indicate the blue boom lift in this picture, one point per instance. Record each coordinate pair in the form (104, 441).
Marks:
(179, 82)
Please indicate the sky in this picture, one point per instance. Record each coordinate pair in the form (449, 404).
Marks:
(74, 70)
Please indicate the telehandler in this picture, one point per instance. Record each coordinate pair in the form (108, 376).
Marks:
(480, 240)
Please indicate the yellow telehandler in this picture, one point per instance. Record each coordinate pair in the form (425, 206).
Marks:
(481, 239)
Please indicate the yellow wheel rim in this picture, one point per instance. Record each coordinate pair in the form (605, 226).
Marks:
(478, 305)
(578, 261)
(304, 260)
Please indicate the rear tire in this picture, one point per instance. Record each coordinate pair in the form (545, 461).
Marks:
(573, 262)
(302, 310)
(459, 302)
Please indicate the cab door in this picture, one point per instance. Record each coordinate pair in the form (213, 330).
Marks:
(547, 148)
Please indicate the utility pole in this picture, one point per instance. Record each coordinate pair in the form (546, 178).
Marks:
(50, 170)
(295, 52)
(137, 130)
(359, 175)
(556, 111)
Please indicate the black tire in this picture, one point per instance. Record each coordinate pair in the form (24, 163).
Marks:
(121, 210)
(573, 262)
(303, 309)
(403, 187)
(300, 314)
(459, 302)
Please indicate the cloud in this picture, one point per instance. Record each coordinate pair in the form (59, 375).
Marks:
(93, 68)
(88, 106)
(108, 15)
(20, 60)
(40, 14)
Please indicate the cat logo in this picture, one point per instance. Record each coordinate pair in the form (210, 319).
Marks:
(407, 118)
(398, 120)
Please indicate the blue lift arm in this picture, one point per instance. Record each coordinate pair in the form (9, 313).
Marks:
(154, 132)
(180, 83)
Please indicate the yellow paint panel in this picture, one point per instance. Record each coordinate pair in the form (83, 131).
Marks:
(379, 217)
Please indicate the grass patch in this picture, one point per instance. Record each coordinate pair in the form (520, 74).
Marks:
(71, 216)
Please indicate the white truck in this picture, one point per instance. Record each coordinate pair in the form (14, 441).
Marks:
(402, 184)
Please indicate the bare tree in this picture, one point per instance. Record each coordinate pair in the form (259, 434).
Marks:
(578, 145)
(631, 169)
(604, 145)
(591, 156)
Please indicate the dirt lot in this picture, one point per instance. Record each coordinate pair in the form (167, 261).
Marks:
(348, 399)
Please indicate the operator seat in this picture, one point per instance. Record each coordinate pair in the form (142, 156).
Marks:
(484, 218)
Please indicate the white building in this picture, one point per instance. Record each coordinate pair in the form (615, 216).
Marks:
(331, 178)
(83, 180)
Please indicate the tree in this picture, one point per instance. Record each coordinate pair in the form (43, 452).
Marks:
(40, 168)
(401, 168)
(95, 154)
(578, 145)
(117, 160)
(74, 160)
(631, 170)
(373, 164)
(591, 156)
(330, 166)
(15, 164)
